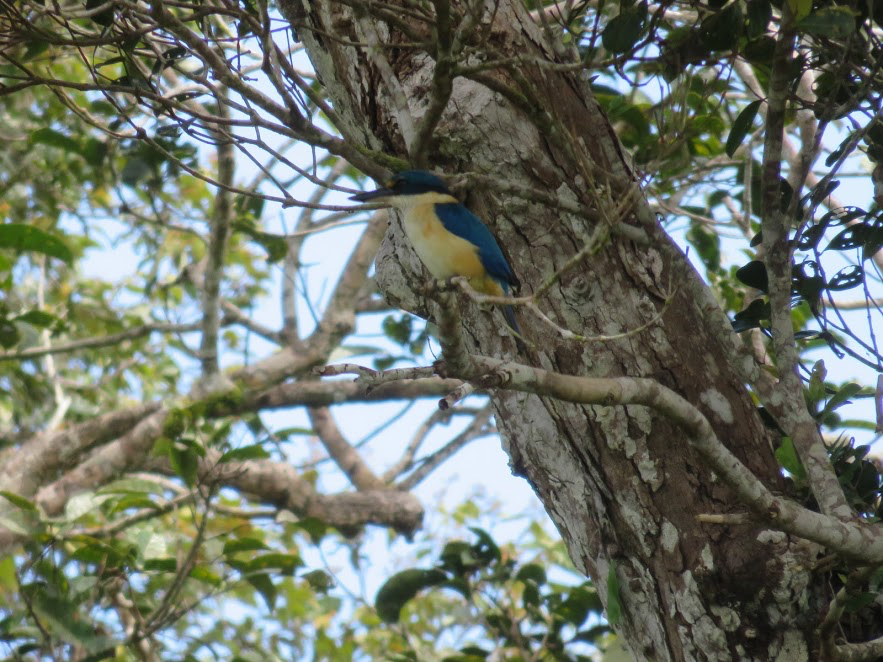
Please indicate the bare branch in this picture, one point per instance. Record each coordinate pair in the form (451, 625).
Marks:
(222, 216)
(478, 427)
(341, 451)
(100, 341)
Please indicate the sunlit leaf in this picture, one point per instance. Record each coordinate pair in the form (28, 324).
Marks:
(27, 238)
(786, 454)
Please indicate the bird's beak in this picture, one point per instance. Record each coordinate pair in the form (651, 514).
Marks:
(368, 196)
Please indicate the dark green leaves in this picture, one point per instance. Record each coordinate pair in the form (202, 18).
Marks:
(9, 334)
(758, 16)
(721, 30)
(754, 275)
(623, 31)
(750, 318)
(847, 278)
(53, 138)
(741, 126)
(830, 22)
(91, 149)
(401, 587)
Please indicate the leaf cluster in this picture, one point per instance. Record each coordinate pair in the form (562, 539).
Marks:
(521, 610)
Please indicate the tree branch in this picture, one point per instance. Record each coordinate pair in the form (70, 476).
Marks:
(341, 451)
(222, 215)
(102, 341)
(794, 417)
(860, 541)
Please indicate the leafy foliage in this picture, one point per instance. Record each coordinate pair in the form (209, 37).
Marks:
(523, 613)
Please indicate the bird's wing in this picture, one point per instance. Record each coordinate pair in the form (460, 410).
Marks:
(458, 220)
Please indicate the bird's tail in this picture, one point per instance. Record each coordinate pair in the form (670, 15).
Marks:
(509, 314)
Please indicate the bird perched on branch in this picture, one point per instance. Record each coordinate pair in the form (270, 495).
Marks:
(448, 238)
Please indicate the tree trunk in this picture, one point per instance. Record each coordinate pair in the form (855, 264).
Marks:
(621, 484)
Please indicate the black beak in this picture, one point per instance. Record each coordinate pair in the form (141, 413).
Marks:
(367, 196)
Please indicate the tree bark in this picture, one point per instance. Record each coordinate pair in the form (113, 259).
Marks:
(619, 482)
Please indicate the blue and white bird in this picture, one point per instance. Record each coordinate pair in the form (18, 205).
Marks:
(448, 238)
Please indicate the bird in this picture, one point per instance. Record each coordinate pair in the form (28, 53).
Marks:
(448, 238)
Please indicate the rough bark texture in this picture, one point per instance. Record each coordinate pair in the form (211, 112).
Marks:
(619, 482)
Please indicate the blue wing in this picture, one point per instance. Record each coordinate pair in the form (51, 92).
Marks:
(460, 221)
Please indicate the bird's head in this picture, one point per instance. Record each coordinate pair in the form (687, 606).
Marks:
(407, 188)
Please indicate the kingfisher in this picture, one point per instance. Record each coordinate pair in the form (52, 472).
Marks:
(448, 238)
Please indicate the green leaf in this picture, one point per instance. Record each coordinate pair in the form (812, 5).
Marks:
(741, 126)
(831, 22)
(873, 240)
(53, 138)
(83, 504)
(20, 237)
(816, 389)
(614, 600)
(19, 501)
(9, 334)
(169, 58)
(848, 238)
(800, 8)
(35, 48)
(401, 587)
(398, 329)
(284, 563)
(94, 151)
(264, 585)
(759, 13)
(315, 528)
(243, 545)
(786, 455)
(165, 565)
(60, 617)
(847, 278)
(581, 601)
(856, 603)
(624, 30)
(486, 548)
(754, 275)
(707, 244)
(252, 452)
(14, 525)
(37, 318)
(319, 580)
(206, 575)
(131, 501)
(275, 245)
(840, 398)
(532, 572)
(135, 169)
(185, 463)
(721, 31)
